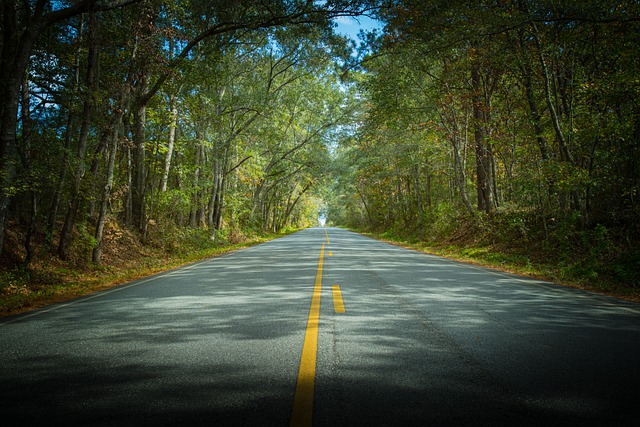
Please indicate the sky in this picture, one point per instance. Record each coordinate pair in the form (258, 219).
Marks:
(352, 26)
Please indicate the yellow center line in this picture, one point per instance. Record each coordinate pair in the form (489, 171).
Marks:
(338, 303)
(327, 235)
(302, 414)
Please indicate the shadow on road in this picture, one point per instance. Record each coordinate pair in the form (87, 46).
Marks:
(423, 341)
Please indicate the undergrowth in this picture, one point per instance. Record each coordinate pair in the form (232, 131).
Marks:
(564, 249)
(126, 256)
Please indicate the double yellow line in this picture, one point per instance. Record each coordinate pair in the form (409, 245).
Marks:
(302, 414)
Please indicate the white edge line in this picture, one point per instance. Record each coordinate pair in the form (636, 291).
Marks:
(551, 286)
(117, 288)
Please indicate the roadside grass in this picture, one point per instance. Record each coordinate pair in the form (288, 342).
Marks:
(49, 280)
(592, 263)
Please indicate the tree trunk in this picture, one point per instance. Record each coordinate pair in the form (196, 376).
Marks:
(106, 193)
(536, 118)
(126, 198)
(428, 174)
(62, 175)
(173, 106)
(214, 196)
(138, 175)
(419, 202)
(460, 177)
(103, 146)
(16, 50)
(92, 69)
(565, 153)
(366, 207)
(291, 206)
(483, 159)
(219, 204)
(27, 159)
(483, 177)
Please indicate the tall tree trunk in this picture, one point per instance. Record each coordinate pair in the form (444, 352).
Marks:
(257, 203)
(16, 49)
(555, 118)
(427, 165)
(127, 199)
(291, 206)
(217, 219)
(138, 172)
(527, 81)
(62, 177)
(565, 153)
(27, 160)
(483, 159)
(196, 202)
(92, 69)
(460, 176)
(106, 192)
(142, 96)
(534, 112)
(214, 196)
(419, 202)
(173, 106)
(173, 125)
(69, 128)
(101, 150)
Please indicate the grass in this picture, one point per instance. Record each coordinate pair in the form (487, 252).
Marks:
(49, 280)
(615, 276)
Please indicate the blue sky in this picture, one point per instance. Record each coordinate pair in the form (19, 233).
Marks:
(352, 26)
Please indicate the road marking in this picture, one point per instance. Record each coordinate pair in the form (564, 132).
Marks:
(330, 253)
(118, 288)
(338, 303)
(99, 294)
(551, 286)
(302, 414)
(327, 235)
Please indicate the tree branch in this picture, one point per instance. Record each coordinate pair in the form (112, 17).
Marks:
(238, 165)
(83, 7)
(304, 16)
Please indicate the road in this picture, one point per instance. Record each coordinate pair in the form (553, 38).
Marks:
(254, 336)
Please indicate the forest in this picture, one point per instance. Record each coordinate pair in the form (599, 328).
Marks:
(502, 130)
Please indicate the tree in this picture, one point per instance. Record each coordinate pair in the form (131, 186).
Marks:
(21, 27)
(149, 67)
(517, 90)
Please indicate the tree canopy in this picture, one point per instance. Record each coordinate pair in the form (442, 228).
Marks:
(242, 115)
(166, 114)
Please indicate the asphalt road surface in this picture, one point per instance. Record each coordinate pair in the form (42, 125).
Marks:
(326, 327)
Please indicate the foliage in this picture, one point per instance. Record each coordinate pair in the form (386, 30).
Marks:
(179, 119)
(509, 125)
(205, 123)
(48, 281)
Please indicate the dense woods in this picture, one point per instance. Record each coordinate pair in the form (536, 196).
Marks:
(515, 120)
(165, 115)
(512, 122)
